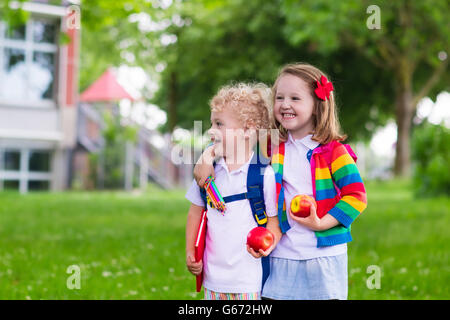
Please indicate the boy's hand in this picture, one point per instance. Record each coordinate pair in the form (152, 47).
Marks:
(194, 267)
(204, 166)
(261, 252)
(272, 226)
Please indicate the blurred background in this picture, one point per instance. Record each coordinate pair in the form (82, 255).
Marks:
(98, 101)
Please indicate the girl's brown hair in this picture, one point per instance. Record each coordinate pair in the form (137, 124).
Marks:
(326, 122)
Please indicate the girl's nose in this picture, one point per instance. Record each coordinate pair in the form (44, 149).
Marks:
(285, 104)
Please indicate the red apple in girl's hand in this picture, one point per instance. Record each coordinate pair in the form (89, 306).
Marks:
(301, 205)
(260, 238)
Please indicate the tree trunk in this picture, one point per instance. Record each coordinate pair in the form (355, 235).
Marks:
(172, 107)
(404, 115)
(172, 122)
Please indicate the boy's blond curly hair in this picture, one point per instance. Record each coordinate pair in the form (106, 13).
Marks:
(250, 102)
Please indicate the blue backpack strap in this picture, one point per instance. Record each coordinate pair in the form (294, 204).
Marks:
(203, 195)
(255, 188)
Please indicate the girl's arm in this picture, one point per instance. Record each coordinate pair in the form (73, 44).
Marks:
(314, 223)
(193, 221)
(353, 194)
(204, 166)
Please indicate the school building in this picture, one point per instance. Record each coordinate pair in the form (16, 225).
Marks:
(38, 87)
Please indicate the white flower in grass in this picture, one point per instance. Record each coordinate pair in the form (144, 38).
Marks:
(106, 274)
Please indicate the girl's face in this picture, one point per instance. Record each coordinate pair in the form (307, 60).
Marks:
(227, 133)
(294, 106)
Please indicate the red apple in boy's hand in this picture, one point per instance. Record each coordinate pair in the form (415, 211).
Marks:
(260, 238)
(301, 205)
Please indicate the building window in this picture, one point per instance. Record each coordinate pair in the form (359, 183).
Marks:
(38, 185)
(27, 61)
(11, 161)
(39, 161)
(25, 170)
(11, 185)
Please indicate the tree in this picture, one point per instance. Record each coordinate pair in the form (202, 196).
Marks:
(225, 41)
(248, 41)
(411, 46)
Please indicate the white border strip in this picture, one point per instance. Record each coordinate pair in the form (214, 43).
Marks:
(32, 135)
(40, 8)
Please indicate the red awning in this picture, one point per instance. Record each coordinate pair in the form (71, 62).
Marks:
(106, 88)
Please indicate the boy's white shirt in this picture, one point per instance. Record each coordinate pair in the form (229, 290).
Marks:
(300, 242)
(227, 265)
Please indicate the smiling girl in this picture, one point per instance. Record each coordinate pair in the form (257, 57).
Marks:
(310, 261)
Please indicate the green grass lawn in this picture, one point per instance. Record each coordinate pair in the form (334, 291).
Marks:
(131, 246)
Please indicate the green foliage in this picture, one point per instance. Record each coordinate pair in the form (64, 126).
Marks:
(405, 29)
(11, 16)
(405, 49)
(432, 160)
(227, 41)
(233, 41)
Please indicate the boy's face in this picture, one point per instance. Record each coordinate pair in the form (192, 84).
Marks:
(227, 133)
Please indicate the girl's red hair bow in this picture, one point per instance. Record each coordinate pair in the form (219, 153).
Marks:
(323, 89)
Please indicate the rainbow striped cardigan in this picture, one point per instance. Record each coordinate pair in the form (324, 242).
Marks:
(337, 188)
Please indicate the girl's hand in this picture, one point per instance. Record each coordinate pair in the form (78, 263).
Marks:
(194, 267)
(261, 252)
(204, 166)
(313, 222)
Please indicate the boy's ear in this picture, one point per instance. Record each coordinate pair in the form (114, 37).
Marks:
(249, 125)
(249, 132)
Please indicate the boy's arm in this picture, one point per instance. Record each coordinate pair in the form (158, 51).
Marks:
(193, 221)
(270, 201)
(204, 166)
(271, 210)
(274, 227)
